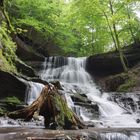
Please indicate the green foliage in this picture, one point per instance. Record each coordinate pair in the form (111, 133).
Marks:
(7, 50)
(108, 23)
(12, 101)
(2, 111)
(80, 27)
(45, 18)
(65, 111)
(127, 86)
(129, 82)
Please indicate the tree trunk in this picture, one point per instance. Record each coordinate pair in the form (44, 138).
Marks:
(111, 32)
(117, 40)
(120, 51)
(53, 107)
(130, 26)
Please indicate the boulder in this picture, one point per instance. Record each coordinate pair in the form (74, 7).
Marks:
(128, 101)
(81, 100)
(10, 85)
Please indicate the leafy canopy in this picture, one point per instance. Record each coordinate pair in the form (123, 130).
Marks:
(80, 27)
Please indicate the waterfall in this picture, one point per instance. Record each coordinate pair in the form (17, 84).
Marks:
(70, 70)
(76, 81)
(32, 92)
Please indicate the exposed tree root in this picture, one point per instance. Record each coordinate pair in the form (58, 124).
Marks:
(53, 107)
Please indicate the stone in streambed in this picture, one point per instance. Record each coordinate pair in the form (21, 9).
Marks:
(138, 120)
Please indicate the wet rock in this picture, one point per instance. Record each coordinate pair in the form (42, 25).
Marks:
(38, 80)
(37, 65)
(90, 124)
(138, 120)
(80, 98)
(95, 107)
(57, 84)
(128, 101)
(11, 122)
(82, 103)
(84, 95)
(87, 105)
(25, 69)
(53, 126)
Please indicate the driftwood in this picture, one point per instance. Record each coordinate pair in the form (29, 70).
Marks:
(53, 107)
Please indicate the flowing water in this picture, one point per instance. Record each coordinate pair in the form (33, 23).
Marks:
(32, 92)
(77, 82)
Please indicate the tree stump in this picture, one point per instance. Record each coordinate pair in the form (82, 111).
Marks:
(53, 107)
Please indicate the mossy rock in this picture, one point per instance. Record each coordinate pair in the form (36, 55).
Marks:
(123, 82)
(113, 82)
(127, 86)
(65, 116)
(12, 101)
(2, 111)
(9, 104)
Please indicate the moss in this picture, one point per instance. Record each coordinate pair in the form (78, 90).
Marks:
(5, 65)
(124, 82)
(8, 104)
(129, 83)
(7, 50)
(2, 111)
(12, 101)
(65, 112)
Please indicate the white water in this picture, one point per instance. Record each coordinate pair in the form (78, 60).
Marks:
(119, 136)
(74, 79)
(32, 92)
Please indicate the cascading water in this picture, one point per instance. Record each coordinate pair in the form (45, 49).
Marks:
(76, 81)
(32, 92)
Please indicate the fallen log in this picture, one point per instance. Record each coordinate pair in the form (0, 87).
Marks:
(52, 105)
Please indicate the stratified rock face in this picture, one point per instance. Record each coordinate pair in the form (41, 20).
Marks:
(25, 69)
(10, 85)
(109, 63)
(39, 42)
(25, 52)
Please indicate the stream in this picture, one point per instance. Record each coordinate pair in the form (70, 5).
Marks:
(117, 115)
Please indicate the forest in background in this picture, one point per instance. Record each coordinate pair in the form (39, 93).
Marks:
(79, 27)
